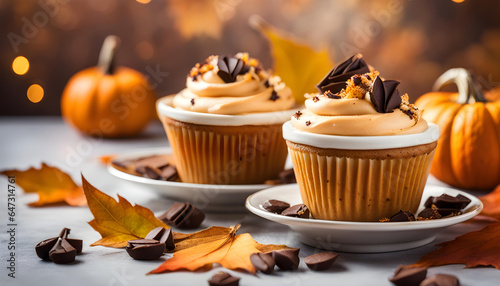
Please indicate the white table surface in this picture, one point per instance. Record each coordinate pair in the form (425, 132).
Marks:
(27, 141)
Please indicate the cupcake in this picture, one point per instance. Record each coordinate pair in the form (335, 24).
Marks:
(225, 127)
(360, 150)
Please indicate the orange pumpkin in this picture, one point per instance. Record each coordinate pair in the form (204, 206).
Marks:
(468, 152)
(106, 101)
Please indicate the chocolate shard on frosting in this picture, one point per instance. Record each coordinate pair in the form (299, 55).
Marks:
(385, 95)
(336, 79)
(230, 68)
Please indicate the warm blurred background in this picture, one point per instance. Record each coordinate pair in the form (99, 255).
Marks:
(413, 41)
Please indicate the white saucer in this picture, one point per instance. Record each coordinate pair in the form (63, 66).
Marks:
(360, 237)
(214, 198)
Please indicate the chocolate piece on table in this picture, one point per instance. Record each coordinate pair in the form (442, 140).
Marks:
(183, 215)
(223, 279)
(407, 276)
(59, 249)
(441, 280)
(336, 78)
(287, 176)
(429, 213)
(155, 161)
(62, 252)
(152, 173)
(145, 249)
(321, 261)
(163, 236)
(275, 206)
(42, 248)
(299, 210)
(402, 216)
(264, 262)
(287, 259)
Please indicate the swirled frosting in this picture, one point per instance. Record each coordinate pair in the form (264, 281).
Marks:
(233, 86)
(367, 106)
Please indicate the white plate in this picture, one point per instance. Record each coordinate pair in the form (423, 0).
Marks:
(215, 198)
(361, 237)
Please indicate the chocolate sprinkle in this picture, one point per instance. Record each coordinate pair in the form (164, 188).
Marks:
(331, 95)
(192, 101)
(297, 115)
(336, 79)
(308, 122)
(385, 95)
(274, 96)
(315, 99)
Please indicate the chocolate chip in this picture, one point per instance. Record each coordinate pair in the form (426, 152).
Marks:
(62, 252)
(429, 213)
(446, 201)
(275, 206)
(183, 215)
(59, 249)
(163, 236)
(356, 80)
(287, 259)
(145, 249)
(297, 115)
(264, 262)
(321, 261)
(407, 276)
(274, 96)
(192, 101)
(336, 78)
(299, 210)
(441, 280)
(287, 176)
(331, 95)
(42, 248)
(385, 95)
(223, 279)
(308, 122)
(402, 216)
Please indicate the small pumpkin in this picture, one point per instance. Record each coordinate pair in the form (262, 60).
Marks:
(108, 101)
(468, 152)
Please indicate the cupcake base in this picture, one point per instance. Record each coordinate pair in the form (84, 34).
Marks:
(226, 155)
(360, 185)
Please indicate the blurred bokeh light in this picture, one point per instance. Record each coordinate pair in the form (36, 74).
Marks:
(411, 41)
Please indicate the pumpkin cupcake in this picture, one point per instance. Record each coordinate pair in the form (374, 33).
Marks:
(360, 150)
(225, 126)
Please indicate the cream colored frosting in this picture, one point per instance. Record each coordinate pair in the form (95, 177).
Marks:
(208, 93)
(354, 117)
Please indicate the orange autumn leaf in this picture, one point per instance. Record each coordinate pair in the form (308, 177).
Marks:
(51, 184)
(298, 64)
(118, 222)
(476, 248)
(491, 203)
(216, 244)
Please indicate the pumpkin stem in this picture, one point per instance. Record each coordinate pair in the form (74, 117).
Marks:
(107, 55)
(466, 83)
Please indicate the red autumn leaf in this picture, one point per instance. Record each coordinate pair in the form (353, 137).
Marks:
(51, 184)
(476, 248)
(491, 204)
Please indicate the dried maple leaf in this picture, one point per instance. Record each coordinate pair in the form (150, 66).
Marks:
(491, 203)
(476, 248)
(217, 244)
(51, 184)
(118, 222)
(298, 65)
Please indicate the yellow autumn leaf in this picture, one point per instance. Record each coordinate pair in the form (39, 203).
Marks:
(298, 64)
(50, 183)
(118, 222)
